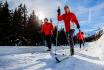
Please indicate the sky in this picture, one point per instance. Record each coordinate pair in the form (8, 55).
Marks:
(89, 12)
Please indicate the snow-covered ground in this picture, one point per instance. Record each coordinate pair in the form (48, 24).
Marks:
(91, 57)
(24, 59)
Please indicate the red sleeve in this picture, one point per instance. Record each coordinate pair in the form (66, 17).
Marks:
(60, 17)
(51, 26)
(74, 19)
(83, 36)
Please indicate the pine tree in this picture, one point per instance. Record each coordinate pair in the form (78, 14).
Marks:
(5, 23)
(33, 29)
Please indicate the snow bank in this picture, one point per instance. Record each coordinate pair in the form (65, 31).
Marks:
(98, 47)
(100, 44)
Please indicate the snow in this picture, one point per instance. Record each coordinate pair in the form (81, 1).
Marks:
(23, 59)
(90, 57)
(99, 45)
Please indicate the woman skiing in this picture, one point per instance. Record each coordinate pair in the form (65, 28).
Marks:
(68, 18)
(47, 29)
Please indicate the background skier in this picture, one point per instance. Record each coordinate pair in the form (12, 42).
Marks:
(47, 29)
(80, 38)
(68, 18)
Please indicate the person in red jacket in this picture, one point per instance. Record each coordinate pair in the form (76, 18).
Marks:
(80, 38)
(69, 19)
(47, 30)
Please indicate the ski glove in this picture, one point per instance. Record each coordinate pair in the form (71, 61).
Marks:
(78, 26)
(59, 11)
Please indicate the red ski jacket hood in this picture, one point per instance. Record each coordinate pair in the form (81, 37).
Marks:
(80, 36)
(47, 29)
(67, 18)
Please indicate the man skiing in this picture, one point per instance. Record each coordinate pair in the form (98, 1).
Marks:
(80, 38)
(47, 29)
(68, 18)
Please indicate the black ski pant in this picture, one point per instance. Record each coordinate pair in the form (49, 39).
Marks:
(48, 41)
(80, 43)
(70, 40)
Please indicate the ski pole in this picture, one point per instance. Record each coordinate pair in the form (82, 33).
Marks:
(56, 38)
(57, 28)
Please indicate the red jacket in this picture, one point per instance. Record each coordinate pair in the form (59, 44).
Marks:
(67, 18)
(80, 36)
(47, 28)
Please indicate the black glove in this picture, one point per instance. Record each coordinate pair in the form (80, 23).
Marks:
(59, 11)
(78, 26)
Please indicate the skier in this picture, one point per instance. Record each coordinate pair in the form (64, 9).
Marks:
(68, 18)
(47, 29)
(80, 38)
